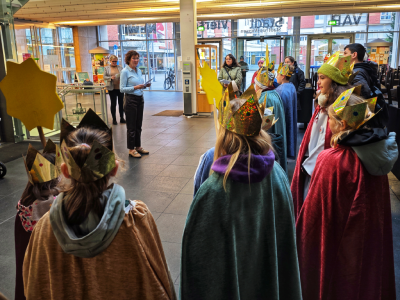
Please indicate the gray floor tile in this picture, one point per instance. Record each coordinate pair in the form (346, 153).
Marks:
(205, 144)
(164, 150)
(172, 253)
(155, 142)
(188, 188)
(158, 158)
(181, 143)
(179, 171)
(187, 161)
(180, 205)
(167, 136)
(195, 151)
(171, 227)
(8, 206)
(7, 258)
(167, 184)
(135, 181)
(155, 201)
(149, 169)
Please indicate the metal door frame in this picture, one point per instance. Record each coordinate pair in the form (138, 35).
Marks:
(215, 41)
(270, 37)
(329, 37)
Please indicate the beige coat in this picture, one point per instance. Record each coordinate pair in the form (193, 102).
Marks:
(132, 267)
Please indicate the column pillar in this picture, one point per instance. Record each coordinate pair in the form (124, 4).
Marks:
(188, 22)
(296, 37)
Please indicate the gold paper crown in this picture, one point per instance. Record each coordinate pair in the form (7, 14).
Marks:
(38, 168)
(269, 120)
(242, 115)
(338, 68)
(284, 69)
(354, 115)
(100, 161)
(267, 64)
(262, 77)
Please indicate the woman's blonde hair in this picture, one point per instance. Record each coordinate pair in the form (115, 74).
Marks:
(353, 100)
(113, 57)
(230, 143)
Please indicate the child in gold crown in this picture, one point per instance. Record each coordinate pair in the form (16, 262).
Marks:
(344, 229)
(95, 244)
(239, 238)
(35, 202)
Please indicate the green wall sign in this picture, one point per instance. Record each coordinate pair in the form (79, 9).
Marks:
(200, 28)
(332, 23)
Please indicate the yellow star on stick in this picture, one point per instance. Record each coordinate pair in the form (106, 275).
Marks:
(210, 84)
(31, 94)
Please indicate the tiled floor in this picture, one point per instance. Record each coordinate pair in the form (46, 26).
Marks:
(163, 180)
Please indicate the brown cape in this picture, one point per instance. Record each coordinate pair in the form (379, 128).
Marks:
(132, 267)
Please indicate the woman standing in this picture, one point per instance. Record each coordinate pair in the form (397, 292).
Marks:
(231, 71)
(132, 84)
(298, 75)
(111, 75)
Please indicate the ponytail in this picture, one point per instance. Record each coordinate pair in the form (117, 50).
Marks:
(82, 198)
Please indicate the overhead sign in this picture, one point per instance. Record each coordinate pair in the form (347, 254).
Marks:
(332, 23)
(265, 25)
(200, 28)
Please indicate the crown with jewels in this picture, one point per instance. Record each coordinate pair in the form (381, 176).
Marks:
(38, 168)
(244, 115)
(284, 69)
(269, 119)
(264, 78)
(100, 161)
(354, 115)
(338, 68)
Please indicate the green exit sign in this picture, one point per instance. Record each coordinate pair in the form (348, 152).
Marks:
(200, 28)
(332, 23)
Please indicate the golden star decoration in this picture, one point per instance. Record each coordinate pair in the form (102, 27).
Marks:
(31, 94)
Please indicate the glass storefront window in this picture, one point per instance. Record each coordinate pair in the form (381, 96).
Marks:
(214, 28)
(350, 23)
(109, 33)
(382, 22)
(263, 27)
(314, 24)
(136, 31)
(160, 31)
(162, 64)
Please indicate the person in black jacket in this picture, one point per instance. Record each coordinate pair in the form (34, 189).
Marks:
(367, 75)
(298, 75)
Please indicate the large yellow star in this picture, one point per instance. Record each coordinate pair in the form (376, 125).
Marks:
(31, 94)
(210, 84)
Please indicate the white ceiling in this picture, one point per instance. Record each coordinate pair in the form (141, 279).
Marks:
(100, 12)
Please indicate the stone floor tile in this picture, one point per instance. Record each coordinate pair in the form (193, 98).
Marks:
(167, 184)
(7, 258)
(195, 151)
(180, 205)
(187, 161)
(179, 171)
(171, 227)
(157, 202)
(149, 169)
(158, 158)
(8, 206)
(134, 181)
(172, 253)
(167, 136)
(188, 188)
(164, 150)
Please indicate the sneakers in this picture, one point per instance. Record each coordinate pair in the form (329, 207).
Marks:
(122, 121)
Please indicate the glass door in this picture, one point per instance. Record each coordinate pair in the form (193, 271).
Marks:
(318, 46)
(218, 44)
(253, 50)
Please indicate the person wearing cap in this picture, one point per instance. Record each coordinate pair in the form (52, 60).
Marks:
(245, 68)
(333, 77)
(260, 64)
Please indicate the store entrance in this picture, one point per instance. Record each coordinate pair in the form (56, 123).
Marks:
(252, 49)
(214, 42)
(318, 46)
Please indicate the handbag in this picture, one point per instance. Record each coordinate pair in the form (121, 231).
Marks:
(227, 72)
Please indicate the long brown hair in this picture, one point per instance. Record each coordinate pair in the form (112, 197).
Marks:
(82, 198)
(41, 191)
(230, 143)
(336, 137)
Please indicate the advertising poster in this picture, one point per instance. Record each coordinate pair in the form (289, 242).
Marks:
(100, 70)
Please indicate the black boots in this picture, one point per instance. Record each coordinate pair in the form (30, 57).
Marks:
(122, 120)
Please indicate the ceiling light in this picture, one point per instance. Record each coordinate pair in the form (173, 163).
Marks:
(75, 22)
(151, 9)
(216, 15)
(250, 4)
(388, 6)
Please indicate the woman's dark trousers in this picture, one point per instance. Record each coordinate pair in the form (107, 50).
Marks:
(114, 94)
(134, 106)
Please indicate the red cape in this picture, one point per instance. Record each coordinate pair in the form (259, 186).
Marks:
(344, 232)
(299, 177)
